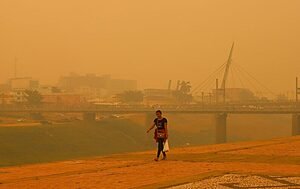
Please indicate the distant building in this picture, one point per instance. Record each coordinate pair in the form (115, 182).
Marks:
(120, 85)
(7, 98)
(4, 88)
(48, 89)
(158, 97)
(18, 86)
(74, 82)
(93, 85)
(236, 95)
(63, 99)
(23, 83)
(19, 96)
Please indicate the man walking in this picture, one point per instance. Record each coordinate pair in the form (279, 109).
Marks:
(161, 133)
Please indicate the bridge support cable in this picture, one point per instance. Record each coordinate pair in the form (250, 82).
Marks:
(206, 88)
(238, 76)
(238, 80)
(209, 78)
(251, 84)
(232, 77)
(257, 81)
(209, 85)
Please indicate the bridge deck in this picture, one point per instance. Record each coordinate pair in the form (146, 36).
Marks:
(150, 110)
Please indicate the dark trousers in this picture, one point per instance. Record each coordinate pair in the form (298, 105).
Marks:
(160, 147)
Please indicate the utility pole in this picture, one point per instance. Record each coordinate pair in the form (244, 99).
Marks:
(170, 85)
(15, 71)
(224, 94)
(217, 91)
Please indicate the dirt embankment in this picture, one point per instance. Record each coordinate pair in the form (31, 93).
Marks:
(279, 157)
(70, 140)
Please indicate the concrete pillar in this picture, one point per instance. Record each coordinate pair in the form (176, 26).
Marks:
(220, 125)
(296, 124)
(89, 116)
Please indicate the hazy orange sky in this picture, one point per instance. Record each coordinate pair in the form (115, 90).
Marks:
(152, 41)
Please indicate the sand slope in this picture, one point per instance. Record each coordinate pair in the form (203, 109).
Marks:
(137, 170)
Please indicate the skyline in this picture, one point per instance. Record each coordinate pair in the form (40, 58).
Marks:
(151, 43)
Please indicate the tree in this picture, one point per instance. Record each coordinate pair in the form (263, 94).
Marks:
(131, 96)
(33, 97)
(185, 87)
(183, 94)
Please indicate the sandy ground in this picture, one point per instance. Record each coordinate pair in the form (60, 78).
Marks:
(19, 124)
(279, 157)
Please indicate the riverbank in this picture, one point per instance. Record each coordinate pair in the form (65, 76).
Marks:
(44, 143)
(58, 142)
(60, 138)
(278, 158)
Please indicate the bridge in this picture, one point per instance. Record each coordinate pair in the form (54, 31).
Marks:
(276, 108)
(220, 113)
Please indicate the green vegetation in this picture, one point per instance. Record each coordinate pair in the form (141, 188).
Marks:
(33, 97)
(183, 95)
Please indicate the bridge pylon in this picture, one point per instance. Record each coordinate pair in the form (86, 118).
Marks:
(296, 125)
(221, 127)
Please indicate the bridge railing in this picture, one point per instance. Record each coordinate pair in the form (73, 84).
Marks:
(141, 108)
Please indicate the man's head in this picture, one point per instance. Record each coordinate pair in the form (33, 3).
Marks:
(158, 113)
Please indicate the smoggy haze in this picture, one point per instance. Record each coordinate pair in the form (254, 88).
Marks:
(152, 41)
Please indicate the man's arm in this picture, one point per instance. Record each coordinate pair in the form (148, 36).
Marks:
(151, 128)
